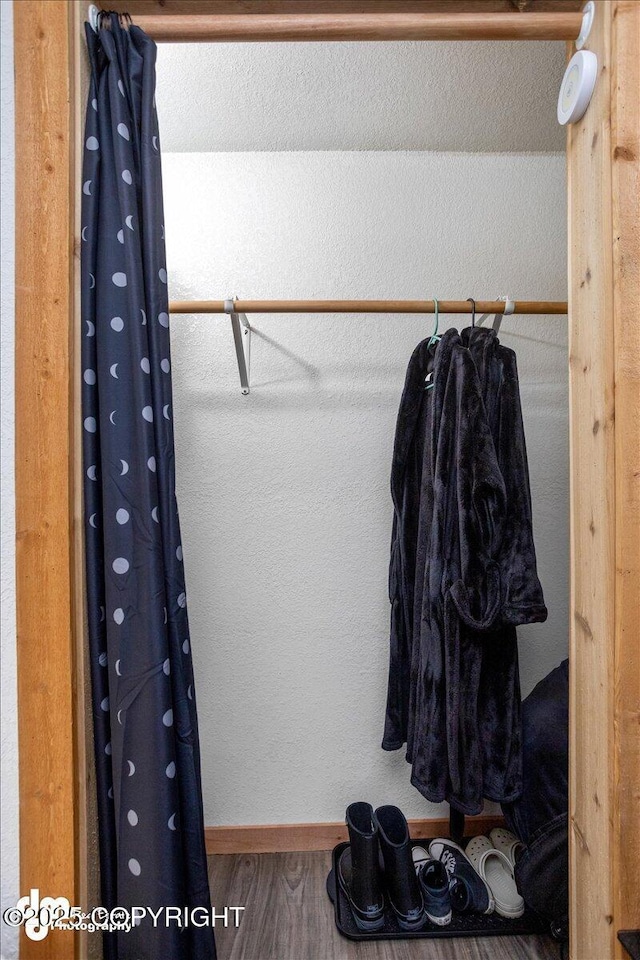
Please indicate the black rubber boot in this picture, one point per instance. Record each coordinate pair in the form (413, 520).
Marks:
(359, 868)
(402, 884)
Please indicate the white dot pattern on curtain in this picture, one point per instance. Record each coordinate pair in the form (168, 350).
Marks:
(146, 733)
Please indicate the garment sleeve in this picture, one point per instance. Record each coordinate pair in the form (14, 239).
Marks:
(480, 500)
(523, 600)
(396, 716)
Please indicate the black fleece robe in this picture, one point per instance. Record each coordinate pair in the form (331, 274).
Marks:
(462, 572)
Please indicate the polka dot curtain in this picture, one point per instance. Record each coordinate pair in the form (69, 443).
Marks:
(151, 826)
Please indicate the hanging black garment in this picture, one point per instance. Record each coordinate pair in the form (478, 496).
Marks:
(412, 427)
(523, 600)
(151, 828)
(456, 576)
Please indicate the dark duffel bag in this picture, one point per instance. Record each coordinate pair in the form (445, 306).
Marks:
(542, 875)
(540, 817)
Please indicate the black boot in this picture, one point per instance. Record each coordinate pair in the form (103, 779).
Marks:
(402, 884)
(359, 869)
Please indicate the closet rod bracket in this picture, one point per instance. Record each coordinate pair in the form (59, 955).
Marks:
(242, 340)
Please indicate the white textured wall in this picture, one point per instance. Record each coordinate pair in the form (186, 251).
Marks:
(406, 95)
(9, 738)
(284, 494)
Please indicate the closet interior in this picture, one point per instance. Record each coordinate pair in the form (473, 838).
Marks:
(329, 180)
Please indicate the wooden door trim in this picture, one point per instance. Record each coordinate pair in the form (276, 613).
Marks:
(592, 472)
(625, 238)
(46, 587)
(604, 306)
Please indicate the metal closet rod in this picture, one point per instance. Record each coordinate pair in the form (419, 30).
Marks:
(207, 28)
(366, 306)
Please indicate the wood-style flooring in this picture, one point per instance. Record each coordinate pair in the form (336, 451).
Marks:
(288, 916)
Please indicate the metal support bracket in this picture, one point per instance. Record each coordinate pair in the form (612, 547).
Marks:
(242, 339)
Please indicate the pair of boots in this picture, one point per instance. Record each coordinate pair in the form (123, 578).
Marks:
(360, 873)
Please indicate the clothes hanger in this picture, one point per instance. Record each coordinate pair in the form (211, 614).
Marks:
(435, 335)
(473, 310)
(433, 339)
(509, 308)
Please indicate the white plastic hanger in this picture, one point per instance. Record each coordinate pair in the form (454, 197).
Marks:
(509, 308)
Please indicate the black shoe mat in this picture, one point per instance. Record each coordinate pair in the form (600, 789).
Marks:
(462, 924)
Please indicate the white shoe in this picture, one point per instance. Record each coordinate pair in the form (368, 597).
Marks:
(497, 872)
(507, 843)
(420, 856)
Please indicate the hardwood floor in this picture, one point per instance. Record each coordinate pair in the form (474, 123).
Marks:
(288, 916)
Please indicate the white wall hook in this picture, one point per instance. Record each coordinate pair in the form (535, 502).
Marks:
(588, 13)
(242, 340)
(93, 16)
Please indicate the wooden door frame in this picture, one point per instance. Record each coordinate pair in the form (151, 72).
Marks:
(56, 841)
(604, 394)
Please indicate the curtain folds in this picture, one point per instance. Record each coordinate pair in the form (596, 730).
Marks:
(151, 825)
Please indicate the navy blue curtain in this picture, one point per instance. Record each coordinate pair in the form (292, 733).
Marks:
(151, 827)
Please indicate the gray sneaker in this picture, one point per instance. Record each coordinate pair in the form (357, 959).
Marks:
(434, 881)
